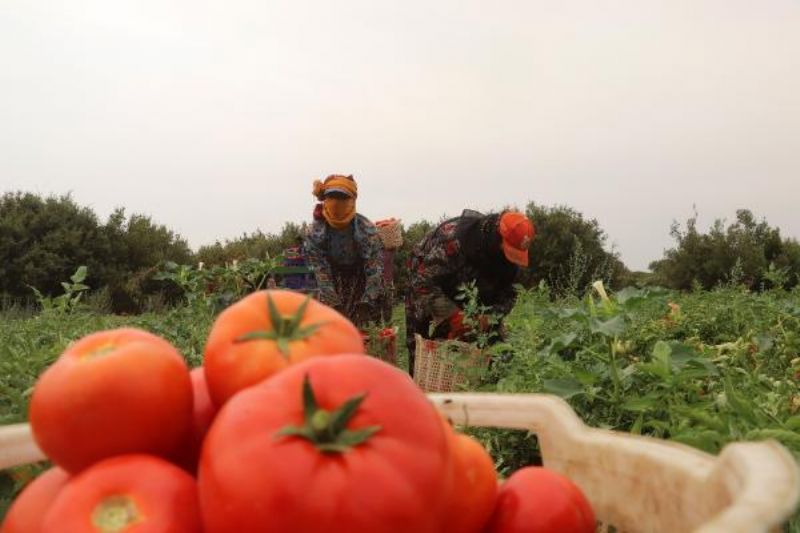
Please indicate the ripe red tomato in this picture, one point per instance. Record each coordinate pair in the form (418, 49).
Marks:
(266, 332)
(474, 485)
(140, 493)
(27, 512)
(112, 392)
(204, 413)
(344, 443)
(538, 500)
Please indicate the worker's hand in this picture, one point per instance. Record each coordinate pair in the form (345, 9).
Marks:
(484, 323)
(457, 327)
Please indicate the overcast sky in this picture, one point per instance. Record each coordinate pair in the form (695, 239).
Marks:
(215, 117)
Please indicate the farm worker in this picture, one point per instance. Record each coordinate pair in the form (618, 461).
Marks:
(344, 252)
(486, 249)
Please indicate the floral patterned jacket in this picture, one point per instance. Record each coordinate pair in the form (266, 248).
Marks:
(356, 246)
(439, 266)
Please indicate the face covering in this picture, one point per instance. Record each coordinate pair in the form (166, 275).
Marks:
(338, 212)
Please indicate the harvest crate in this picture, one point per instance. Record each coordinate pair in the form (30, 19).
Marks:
(637, 484)
(445, 366)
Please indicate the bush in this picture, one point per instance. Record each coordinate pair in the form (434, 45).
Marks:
(568, 252)
(256, 245)
(746, 252)
(44, 240)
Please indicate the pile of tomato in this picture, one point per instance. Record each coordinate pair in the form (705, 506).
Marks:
(287, 426)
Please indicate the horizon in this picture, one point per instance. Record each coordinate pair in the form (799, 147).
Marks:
(214, 120)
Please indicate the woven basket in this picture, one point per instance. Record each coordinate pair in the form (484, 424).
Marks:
(391, 233)
(446, 366)
(638, 484)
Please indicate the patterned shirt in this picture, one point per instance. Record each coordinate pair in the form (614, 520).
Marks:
(358, 245)
(439, 266)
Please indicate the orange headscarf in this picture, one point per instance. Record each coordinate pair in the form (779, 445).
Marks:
(338, 212)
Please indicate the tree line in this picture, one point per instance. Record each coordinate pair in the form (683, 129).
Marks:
(44, 239)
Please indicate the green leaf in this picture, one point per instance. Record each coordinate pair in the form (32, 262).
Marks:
(342, 416)
(658, 425)
(703, 417)
(706, 440)
(559, 343)
(565, 388)
(79, 274)
(585, 378)
(571, 313)
(764, 342)
(680, 353)
(741, 406)
(660, 364)
(499, 349)
(793, 423)
(630, 296)
(295, 431)
(636, 428)
(310, 405)
(283, 346)
(612, 327)
(662, 352)
(298, 316)
(355, 437)
(641, 404)
(789, 438)
(655, 369)
(698, 368)
(255, 335)
(275, 316)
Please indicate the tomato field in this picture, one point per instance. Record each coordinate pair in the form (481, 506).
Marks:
(703, 368)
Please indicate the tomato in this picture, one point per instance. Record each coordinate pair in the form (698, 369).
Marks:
(474, 484)
(27, 512)
(538, 500)
(204, 413)
(112, 392)
(266, 332)
(131, 493)
(344, 443)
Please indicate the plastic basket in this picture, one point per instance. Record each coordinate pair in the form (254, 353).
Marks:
(642, 484)
(637, 484)
(445, 366)
(390, 232)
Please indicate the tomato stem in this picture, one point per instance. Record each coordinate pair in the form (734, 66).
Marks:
(115, 514)
(327, 430)
(285, 329)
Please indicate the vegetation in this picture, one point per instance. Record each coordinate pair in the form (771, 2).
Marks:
(713, 358)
